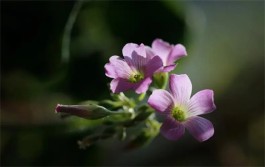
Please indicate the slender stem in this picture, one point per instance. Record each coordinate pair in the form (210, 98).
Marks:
(68, 29)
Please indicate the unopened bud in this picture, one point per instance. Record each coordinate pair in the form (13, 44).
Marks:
(89, 111)
(160, 80)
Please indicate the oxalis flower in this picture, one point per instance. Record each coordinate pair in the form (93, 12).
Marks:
(168, 53)
(134, 72)
(181, 111)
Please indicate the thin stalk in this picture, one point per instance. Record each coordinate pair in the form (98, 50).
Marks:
(67, 31)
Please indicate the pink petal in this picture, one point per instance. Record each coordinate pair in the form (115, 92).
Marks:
(201, 103)
(149, 52)
(110, 71)
(200, 128)
(161, 101)
(180, 87)
(162, 49)
(120, 85)
(153, 65)
(136, 61)
(143, 85)
(129, 48)
(171, 129)
(177, 52)
(169, 68)
(117, 68)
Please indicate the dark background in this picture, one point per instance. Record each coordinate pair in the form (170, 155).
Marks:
(225, 44)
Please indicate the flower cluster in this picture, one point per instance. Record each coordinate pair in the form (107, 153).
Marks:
(139, 64)
(146, 71)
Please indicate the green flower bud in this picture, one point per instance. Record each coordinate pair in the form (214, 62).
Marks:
(160, 80)
(145, 136)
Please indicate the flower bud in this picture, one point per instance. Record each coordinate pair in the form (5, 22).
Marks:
(145, 136)
(140, 140)
(89, 111)
(160, 80)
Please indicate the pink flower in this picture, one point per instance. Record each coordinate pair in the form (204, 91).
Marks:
(181, 111)
(134, 72)
(168, 53)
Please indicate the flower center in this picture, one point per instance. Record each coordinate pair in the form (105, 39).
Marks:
(136, 77)
(178, 114)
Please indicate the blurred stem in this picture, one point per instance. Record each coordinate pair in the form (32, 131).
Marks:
(141, 97)
(68, 29)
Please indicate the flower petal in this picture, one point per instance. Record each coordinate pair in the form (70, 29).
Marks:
(176, 53)
(143, 85)
(201, 103)
(136, 61)
(171, 129)
(200, 128)
(180, 87)
(153, 65)
(161, 101)
(169, 68)
(110, 71)
(117, 68)
(162, 49)
(149, 52)
(128, 49)
(120, 85)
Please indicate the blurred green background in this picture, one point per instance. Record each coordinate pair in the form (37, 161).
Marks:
(225, 44)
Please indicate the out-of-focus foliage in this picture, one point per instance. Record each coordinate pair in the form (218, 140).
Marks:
(225, 44)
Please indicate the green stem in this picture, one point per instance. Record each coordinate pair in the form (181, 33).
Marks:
(67, 31)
